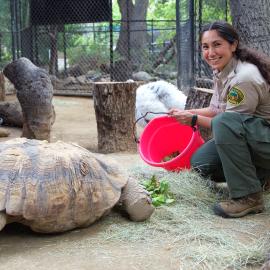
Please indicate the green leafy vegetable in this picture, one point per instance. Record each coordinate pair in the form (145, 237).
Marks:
(171, 156)
(159, 191)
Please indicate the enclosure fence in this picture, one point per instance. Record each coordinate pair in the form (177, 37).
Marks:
(81, 38)
(101, 40)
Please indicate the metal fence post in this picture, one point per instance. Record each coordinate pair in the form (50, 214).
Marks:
(13, 27)
(111, 39)
(185, 46)
(178, 41)
(192, 43)
(0, 46)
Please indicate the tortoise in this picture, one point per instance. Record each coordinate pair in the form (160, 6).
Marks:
(56, 187)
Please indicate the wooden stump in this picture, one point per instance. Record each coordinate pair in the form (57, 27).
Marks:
(114, 104)
(200, 98)
(35, 93)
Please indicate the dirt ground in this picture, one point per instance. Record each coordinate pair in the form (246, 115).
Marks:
(75, 122)
(20, 249)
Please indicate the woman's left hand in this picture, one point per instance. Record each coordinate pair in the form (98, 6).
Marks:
(182, 116)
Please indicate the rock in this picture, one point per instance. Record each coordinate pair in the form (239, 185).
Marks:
(142, 76)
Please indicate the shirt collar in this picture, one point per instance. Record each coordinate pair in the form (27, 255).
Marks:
(228, 71)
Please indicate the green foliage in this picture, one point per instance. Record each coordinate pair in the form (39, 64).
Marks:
(215, 10)
(116, 10)
(5, 28)
(161, 10)
(212, 13)
(4, 16)
(25, 13)
(159, 191)
(166, 10)
(93, 51)
(82, 42)
(87, 44)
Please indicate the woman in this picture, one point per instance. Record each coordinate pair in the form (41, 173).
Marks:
(239, 115)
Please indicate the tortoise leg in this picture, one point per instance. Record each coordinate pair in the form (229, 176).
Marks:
(3, 220)
(136, 201)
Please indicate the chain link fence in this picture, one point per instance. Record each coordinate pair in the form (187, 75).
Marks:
(5, 35)
(83, 41)
(251, 21)
(99, 40)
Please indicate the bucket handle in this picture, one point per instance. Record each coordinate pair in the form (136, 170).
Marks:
(134, 125)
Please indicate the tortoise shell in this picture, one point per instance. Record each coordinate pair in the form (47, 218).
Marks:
(55, 187)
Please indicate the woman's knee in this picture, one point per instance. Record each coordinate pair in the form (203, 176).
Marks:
(206, 160)
(224, 119)
(225, 126)
(203, 164)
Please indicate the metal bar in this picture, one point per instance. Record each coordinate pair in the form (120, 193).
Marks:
(226, 10)
(192, 40)
(65, 48)
(111, 40)
(152, 40)
(19, 28)
(200, 29)
(16, 12)
(12, 26)
(128, 30)
(0, 47)
(178, 40)
(36, 61)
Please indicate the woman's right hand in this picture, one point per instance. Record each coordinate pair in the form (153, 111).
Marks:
(182, 116)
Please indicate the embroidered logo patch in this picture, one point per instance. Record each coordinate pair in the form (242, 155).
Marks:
(235, 96)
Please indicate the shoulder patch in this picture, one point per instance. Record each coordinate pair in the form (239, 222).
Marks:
(235, 96)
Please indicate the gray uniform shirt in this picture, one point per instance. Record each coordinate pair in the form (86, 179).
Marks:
(240, 87)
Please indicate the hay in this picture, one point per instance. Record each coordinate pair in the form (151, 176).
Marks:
(200, 239)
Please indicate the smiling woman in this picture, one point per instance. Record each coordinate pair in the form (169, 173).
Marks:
(217, 51)
(239, 116)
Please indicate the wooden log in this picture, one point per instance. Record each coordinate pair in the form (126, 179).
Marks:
(200, 98)
(114, 104)
(2, 87)
(35, 93)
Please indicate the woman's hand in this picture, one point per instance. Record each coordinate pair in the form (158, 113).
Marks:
(182, 116)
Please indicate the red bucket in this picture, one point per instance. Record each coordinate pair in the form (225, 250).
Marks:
(163, 136)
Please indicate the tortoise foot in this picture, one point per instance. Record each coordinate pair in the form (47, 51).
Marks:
(136, 201)
(3, 220)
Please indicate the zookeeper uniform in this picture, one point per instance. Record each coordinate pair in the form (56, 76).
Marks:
(240, 150)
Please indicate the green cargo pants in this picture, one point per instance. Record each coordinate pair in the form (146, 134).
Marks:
(239, 153)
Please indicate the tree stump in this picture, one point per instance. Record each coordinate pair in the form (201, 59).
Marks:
(35, 93)
(2, 87)
(114, 104)
(200, 98)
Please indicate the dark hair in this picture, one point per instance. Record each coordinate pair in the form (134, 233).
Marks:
(226, 31)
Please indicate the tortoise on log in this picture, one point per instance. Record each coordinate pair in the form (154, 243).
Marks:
(56, 187)
(35, 92)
